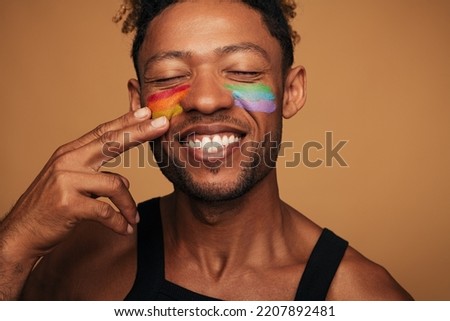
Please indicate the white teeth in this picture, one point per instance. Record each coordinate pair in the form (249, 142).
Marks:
(213, 143)
(225, 141)
(216, 140)
(206, 141)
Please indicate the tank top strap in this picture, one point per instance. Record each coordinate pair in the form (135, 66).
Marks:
(321, 267)
(150, 279)
(150, 253)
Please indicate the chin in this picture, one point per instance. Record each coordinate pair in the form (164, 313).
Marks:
(211, 185)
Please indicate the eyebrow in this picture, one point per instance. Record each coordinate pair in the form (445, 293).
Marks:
(242, 47)
(167, 55)
(221, 51)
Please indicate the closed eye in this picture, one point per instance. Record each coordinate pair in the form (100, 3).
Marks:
(167, 81)
(244, 76)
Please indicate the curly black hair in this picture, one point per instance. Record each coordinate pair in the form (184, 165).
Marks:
(277, 14)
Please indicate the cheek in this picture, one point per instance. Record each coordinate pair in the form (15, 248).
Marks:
(269, 123)
(253, 97)
(167, 103)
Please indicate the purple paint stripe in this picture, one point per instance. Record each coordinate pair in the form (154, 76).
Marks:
(264, 106)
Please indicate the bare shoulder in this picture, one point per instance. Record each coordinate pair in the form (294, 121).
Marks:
(94, 263)
(358, 278)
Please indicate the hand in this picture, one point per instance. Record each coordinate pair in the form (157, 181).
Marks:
(65, 191)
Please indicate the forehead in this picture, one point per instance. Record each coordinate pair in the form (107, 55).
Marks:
(202, 26)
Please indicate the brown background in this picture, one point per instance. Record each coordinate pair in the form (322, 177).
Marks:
(378, 72)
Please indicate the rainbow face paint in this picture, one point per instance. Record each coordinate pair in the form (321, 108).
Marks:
(253, 97)
(167, 102)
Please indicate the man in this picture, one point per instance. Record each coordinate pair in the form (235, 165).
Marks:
(216, 80)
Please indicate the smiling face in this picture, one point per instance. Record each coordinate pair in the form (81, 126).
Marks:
(231, 67)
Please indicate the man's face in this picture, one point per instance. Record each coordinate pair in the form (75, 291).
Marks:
(214, 57)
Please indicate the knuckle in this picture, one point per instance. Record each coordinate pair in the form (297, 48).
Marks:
(60, 162)
(124, 121)
(61, 196)
(64, 201)
(115, 182)
(130, 209)
(121, 225)
(107, 137)
(104, 211)
(60, 177)
(100, 130)
(142, 128)
(61, 150)
(128, 206)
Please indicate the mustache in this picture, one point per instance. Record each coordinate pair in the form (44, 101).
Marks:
(198, 119)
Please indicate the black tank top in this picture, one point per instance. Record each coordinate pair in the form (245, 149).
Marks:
(150, 283)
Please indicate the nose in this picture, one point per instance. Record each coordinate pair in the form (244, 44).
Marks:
(207, 95)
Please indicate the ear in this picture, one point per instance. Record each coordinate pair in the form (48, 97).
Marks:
(134, 94)
(294, 91)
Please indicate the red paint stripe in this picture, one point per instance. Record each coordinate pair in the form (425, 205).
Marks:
(174, 98)
(167, 103)
(166, 93)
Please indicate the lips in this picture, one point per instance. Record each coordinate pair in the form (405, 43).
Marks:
(208, 140)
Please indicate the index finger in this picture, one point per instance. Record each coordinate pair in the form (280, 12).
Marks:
(113, 143)
(124, 121)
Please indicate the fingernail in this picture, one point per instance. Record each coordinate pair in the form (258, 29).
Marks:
(130, 229)
(142, 112)
(159, 122)
(138, 218)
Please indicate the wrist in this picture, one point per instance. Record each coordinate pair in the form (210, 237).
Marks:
(14, 268)
(13, 250)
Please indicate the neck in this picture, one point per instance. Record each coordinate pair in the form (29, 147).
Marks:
(225, 234)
